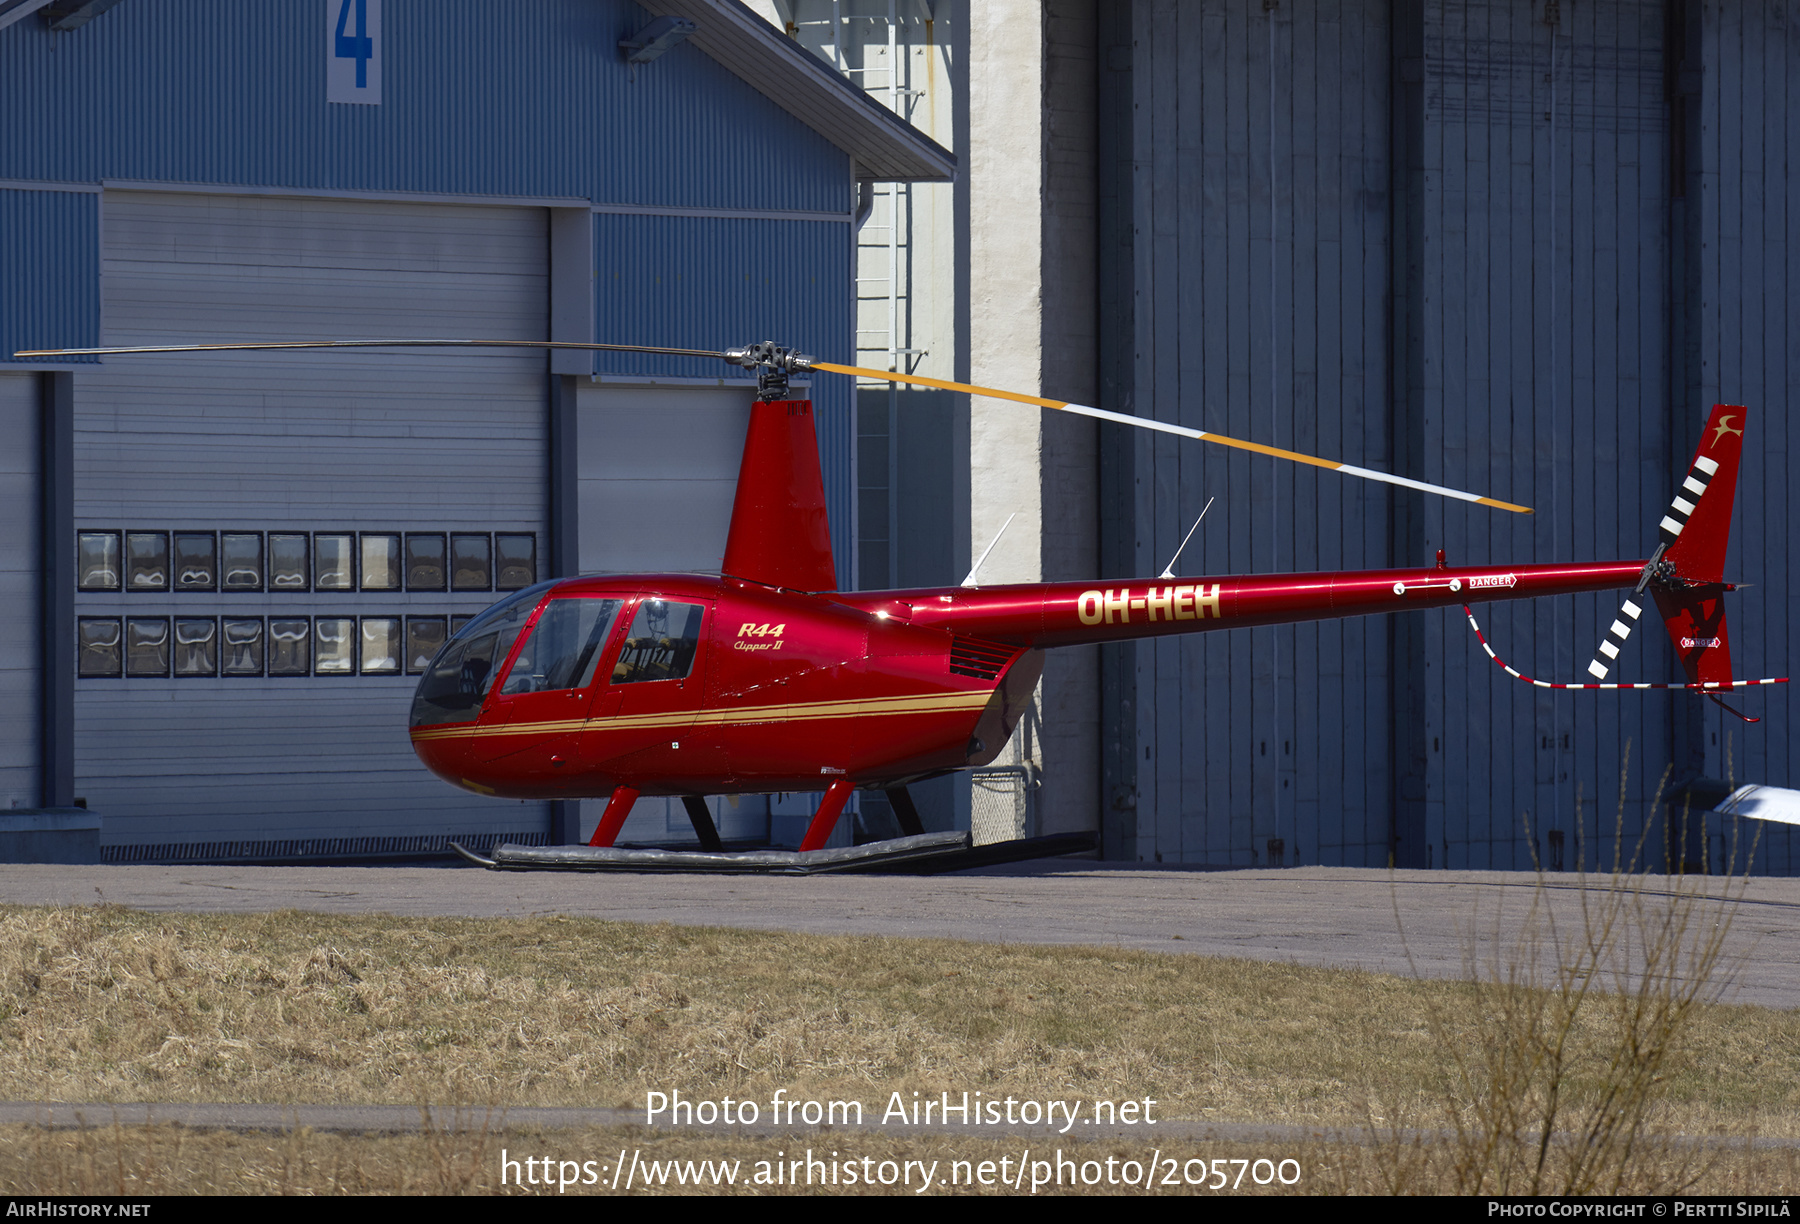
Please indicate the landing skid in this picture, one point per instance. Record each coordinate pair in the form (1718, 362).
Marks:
(924, 854)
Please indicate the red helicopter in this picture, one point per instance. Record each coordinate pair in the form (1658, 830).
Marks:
(767, 678)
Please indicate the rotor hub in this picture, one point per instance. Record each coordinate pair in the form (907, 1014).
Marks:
(772, 364)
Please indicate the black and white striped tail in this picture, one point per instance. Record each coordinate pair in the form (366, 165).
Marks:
(1614, 641)
(1693, 488)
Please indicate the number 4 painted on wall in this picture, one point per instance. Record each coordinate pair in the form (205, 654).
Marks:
(359, 47)
(353, 51)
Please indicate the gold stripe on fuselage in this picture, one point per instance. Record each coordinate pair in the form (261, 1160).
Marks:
(930, 703)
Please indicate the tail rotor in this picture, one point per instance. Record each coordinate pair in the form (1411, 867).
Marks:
(1684, 577)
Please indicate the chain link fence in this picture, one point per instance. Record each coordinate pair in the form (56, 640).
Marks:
(1001, 803)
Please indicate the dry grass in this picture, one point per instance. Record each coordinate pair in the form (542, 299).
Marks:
(1565, 1086)
(109, 1004)
(103, 1003)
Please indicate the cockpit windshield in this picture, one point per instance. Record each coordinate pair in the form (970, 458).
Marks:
(458, 679)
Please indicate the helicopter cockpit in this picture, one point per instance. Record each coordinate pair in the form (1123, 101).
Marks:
(562, 653)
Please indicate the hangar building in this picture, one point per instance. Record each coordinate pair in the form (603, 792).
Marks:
(222, 573)
(1516, 246)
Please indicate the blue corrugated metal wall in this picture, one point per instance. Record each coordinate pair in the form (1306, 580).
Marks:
(49, 270)
(1544, 365)
(529, 99)
(522, 98)
(1260, 181)
(1747, 278)
(1438, 238)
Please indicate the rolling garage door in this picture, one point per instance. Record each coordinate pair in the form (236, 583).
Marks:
(287, 532)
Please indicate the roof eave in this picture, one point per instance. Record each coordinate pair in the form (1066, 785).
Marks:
(885, 148)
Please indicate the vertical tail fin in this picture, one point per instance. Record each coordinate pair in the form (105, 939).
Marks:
(1697, 529)
(1686, 574)
(1698, 523)
(779, 534)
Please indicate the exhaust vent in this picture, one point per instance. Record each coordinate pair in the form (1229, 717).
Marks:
(980, 660)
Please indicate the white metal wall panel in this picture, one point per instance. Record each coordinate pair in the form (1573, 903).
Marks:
(658, 471)
(419, 440)
(19, 650)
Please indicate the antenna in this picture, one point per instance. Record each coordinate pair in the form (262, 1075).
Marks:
(1169, 570)
(973, 569)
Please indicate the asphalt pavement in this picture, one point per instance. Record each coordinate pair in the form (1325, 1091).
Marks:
(1433, 923)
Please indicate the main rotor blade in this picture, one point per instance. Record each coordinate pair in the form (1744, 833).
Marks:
(1101, 414)
(258, 346)
(1349, 469)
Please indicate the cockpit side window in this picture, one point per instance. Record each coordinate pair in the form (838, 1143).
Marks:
(564, 647)
(661, 645)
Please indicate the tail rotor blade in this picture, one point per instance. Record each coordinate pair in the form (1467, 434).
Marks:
(1614, 641)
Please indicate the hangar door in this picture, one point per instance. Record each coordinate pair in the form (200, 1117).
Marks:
(291, 534)
(19, 502)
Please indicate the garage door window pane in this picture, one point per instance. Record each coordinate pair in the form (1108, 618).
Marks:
(334, 652)
(424, 638)
(196, 646)
(288, 555)
(290, 646)
(424, 562)
(380, 562)
(196, 561)
(515, 558)
(243, 647)
(336, 570)
(471, 563)
(381, 645)
(100, 654)
(97, 561)
(146, 646)
(146, 561)
(241, 561)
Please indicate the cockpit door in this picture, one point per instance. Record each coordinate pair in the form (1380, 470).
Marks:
(644, 725)
(537, 712)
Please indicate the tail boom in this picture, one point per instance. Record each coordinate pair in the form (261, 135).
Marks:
(1073, 613)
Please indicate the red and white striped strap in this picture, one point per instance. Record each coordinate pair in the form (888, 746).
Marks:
(1713, 686)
